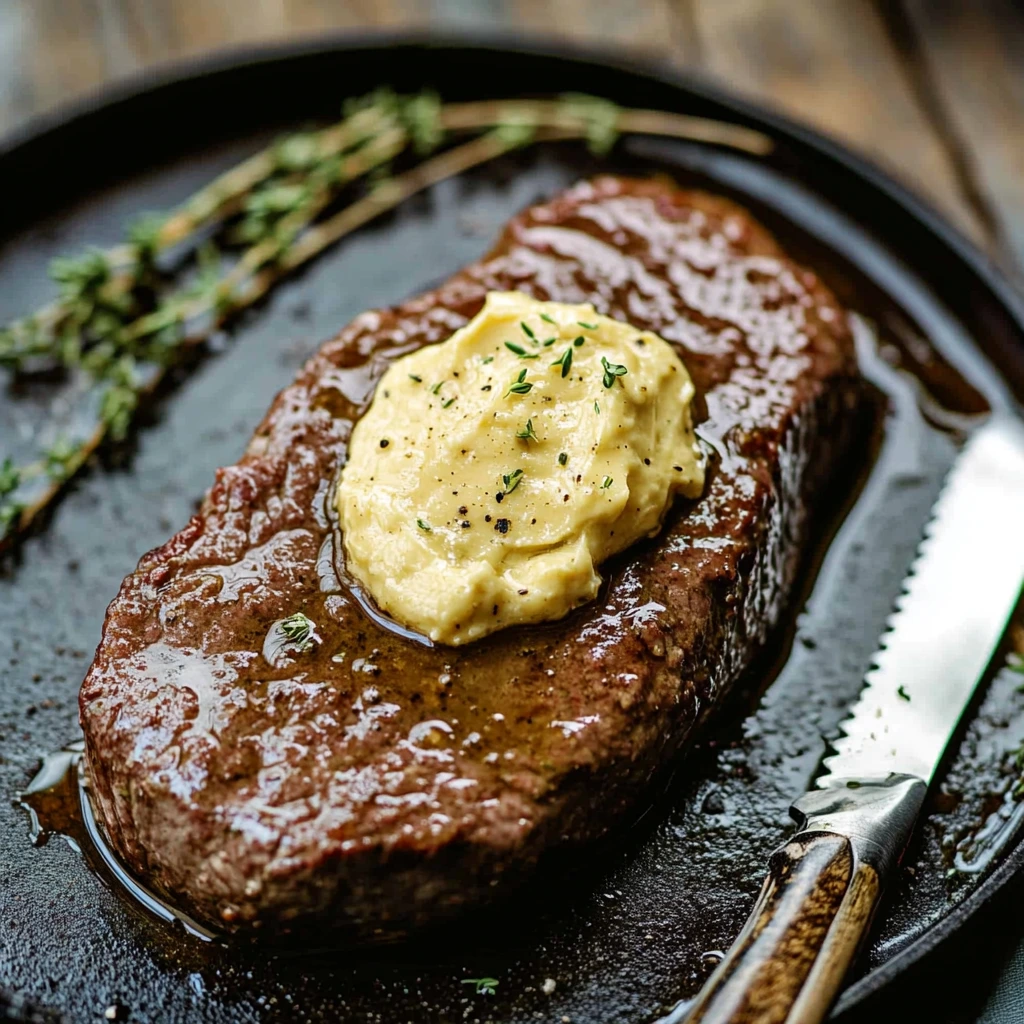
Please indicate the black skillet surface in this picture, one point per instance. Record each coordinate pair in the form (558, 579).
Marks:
(623, 938)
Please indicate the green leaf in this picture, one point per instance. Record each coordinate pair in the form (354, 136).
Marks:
(421, 115)
(521, 386)
(61, 458)
(10, 513)
(10, 477)
(299, 631)
(520, 351)
(564, 361)
(511, 480)
(121, 398)
(384, 99)
(611, 371)
(528, 433)
(144, 234)
(484, 986)
(515, 133)
(298, 152)
(600, 119)
(82, 276)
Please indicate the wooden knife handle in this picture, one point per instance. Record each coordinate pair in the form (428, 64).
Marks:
(789, 961)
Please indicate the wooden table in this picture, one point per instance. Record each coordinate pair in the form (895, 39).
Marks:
(932, 89)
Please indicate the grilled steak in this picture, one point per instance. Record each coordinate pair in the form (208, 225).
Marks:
(373, 783)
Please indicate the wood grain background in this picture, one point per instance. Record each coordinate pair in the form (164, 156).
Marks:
(933, 89)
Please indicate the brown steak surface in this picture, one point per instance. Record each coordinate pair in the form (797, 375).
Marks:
(375, 783)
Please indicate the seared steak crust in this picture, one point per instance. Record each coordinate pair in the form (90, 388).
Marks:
(374, 783)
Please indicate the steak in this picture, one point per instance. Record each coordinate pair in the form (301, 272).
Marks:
(374, 783)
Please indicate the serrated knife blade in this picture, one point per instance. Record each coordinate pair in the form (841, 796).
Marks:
(823, 885)
(958, 596)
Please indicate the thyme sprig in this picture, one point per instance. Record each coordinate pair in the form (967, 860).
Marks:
(520, 386)
(528, 433)
(123, 315)
(611, 371)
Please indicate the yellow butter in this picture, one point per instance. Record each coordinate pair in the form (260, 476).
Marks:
(495, 471)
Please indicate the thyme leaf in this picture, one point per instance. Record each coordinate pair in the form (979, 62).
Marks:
(484, 986)
(564, 361)
(511, 480)
(520, 351)
(521, 386)
(611, 371)
(528, 433)
(300, 632)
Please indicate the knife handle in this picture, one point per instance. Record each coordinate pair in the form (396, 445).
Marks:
(790, 959)
(815, 906)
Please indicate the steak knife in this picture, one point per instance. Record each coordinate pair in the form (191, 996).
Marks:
(823, 885)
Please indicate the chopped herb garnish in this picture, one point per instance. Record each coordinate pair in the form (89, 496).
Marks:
(611, 371)
(589, 327)
(579, 341)
(437, 387)
(484, 986)
(521, 386)
(606, 483)
(487, 359)
(511, 480)
(528, 433)
(520, 351)
(528, 332)
(563, 458)
(298, 631)
(547, 319)
(548, 342)
(597, 409)
(902, 693)
(444, 405)
(415, 377)
(424, 525)
(564, 361)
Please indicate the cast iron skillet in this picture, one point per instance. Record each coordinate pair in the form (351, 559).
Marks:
(625, 936)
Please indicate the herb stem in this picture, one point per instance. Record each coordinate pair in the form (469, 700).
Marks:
(100, 325)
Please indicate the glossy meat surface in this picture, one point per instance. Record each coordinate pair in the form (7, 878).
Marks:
(374, 783)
